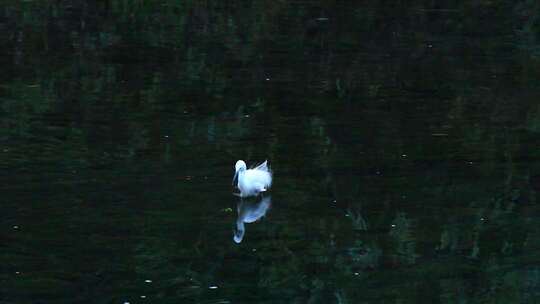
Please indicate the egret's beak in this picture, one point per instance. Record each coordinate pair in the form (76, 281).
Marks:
(235, 177)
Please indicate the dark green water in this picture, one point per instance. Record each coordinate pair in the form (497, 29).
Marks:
(404, 140)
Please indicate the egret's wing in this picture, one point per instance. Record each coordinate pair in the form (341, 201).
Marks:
(258, 178)
(263, 166)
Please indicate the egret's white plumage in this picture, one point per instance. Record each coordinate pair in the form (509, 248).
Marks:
(249, 212)
(252, 181)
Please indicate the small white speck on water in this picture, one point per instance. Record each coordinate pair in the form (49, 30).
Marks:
(253, 249)
(347, 215)
(267, 79)
(246, 116)
(17, 272)
(166, 136)
(148, 281)
(481, 218)
(15, 227)
(126, 302)
(393, 225)
(212, 287)
(403, 155)
(356, 273)
(143, 297)
(470, 163)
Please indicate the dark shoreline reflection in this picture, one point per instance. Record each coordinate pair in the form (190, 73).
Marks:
(250, 211)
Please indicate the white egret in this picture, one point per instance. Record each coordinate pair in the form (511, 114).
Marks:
(252, 181)
(249, 212)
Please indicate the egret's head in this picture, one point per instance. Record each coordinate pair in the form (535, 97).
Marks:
(239, 167)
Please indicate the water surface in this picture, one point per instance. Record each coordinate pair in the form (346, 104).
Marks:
(404, 141)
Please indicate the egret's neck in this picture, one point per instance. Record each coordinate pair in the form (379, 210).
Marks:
(241, 175)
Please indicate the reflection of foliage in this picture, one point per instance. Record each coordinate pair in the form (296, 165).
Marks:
(403, 235)
(19, 106)
(358, 221)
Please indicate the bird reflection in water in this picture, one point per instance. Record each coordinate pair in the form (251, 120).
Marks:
(250, 211)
